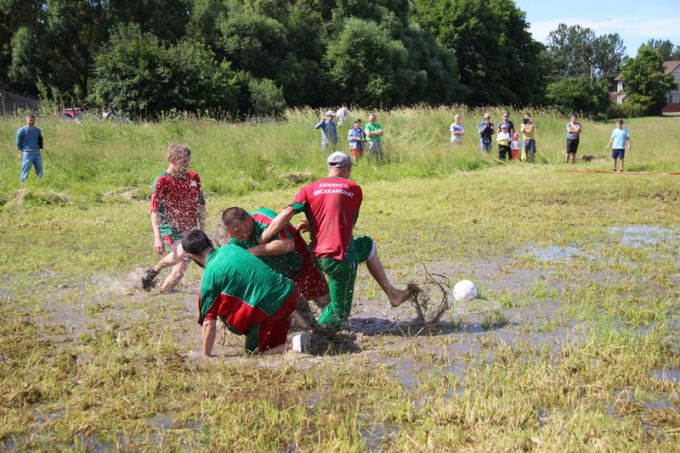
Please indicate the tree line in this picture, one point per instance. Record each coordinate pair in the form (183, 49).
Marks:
(231, 58)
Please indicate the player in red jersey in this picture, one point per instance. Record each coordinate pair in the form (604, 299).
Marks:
(331, 206)
(177, 207)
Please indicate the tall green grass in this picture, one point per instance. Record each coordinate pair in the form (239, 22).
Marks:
(89, 162)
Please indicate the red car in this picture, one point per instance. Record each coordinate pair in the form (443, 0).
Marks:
(70, 114)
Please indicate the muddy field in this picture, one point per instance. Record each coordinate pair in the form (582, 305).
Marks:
(525, 306)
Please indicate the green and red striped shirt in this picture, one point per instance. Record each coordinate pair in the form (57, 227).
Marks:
(287, 264)
(240, 289)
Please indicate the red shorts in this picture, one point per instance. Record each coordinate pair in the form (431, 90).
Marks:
(273, 331)
(357, 152)
(310, 280)
(169, 242)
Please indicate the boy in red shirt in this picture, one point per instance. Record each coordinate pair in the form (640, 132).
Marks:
(177, 207)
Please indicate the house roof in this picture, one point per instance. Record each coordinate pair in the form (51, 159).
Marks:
(670, 66)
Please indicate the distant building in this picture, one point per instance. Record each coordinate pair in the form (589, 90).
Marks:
(673, 97)
(673, 106)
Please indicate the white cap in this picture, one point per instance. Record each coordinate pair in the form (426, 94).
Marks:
(339, 159)
(330, 113)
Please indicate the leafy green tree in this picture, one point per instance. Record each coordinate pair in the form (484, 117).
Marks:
(165, 19)
(497, 58)
(645, 82)
(579, 94)
(206, 15)
(57, 49)
(267, 98)
(14, 16)
(575, 51)
(668, 50)
(141, 75)
(368, 67)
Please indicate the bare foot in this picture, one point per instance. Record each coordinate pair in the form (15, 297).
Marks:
(399, 297)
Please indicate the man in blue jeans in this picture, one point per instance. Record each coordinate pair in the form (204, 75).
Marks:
(485, 134)
(29, 142)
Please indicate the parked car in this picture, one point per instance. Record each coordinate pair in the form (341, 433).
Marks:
(71, 113)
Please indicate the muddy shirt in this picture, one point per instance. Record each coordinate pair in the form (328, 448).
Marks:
(245, 289)
(176, 200)
(287, 264)
(332, 208)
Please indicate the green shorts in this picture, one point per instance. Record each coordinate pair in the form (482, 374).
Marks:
(340, 276)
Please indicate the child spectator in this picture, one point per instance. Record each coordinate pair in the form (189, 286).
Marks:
(457, 131)
(356, 141)
(515, 146)
(503, 140)
(618, 140)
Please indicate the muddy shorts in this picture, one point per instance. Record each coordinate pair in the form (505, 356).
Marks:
(172, 240)
(341, 276)
(310, 281)
(273, 331)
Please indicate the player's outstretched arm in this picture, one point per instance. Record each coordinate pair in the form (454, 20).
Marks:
(278, 223)
(273, 248)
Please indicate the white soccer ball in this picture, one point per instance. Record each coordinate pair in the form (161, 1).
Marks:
(465, 290)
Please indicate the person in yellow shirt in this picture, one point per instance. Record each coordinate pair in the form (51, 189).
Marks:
(529, 137)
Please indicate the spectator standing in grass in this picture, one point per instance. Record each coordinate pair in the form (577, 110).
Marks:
(355, 136)
(515, 146)
(529, 137)
(503, 139)
(456, 131)
(486, 131)
(618, 141)
(342, 114)
(574, 130)
(107, 113)
(329, 132)
(374, 132)
(331, 206)
(29, 141)
(177, 207)
(508, 123)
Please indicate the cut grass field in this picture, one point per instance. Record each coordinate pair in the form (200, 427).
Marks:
(573, 347)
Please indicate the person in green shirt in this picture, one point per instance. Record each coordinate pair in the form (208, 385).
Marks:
(245, 294)
(374, 133)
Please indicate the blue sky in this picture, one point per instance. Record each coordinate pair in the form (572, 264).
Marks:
(635, 21)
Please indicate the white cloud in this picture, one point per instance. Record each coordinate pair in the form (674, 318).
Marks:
(628, 27)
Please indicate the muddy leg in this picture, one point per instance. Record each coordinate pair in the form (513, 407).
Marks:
(395, 296)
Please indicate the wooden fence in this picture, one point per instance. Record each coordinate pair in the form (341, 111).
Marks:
(11, 102)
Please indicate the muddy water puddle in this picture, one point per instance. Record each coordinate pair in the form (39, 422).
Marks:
(640, 236)
(669, 375)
